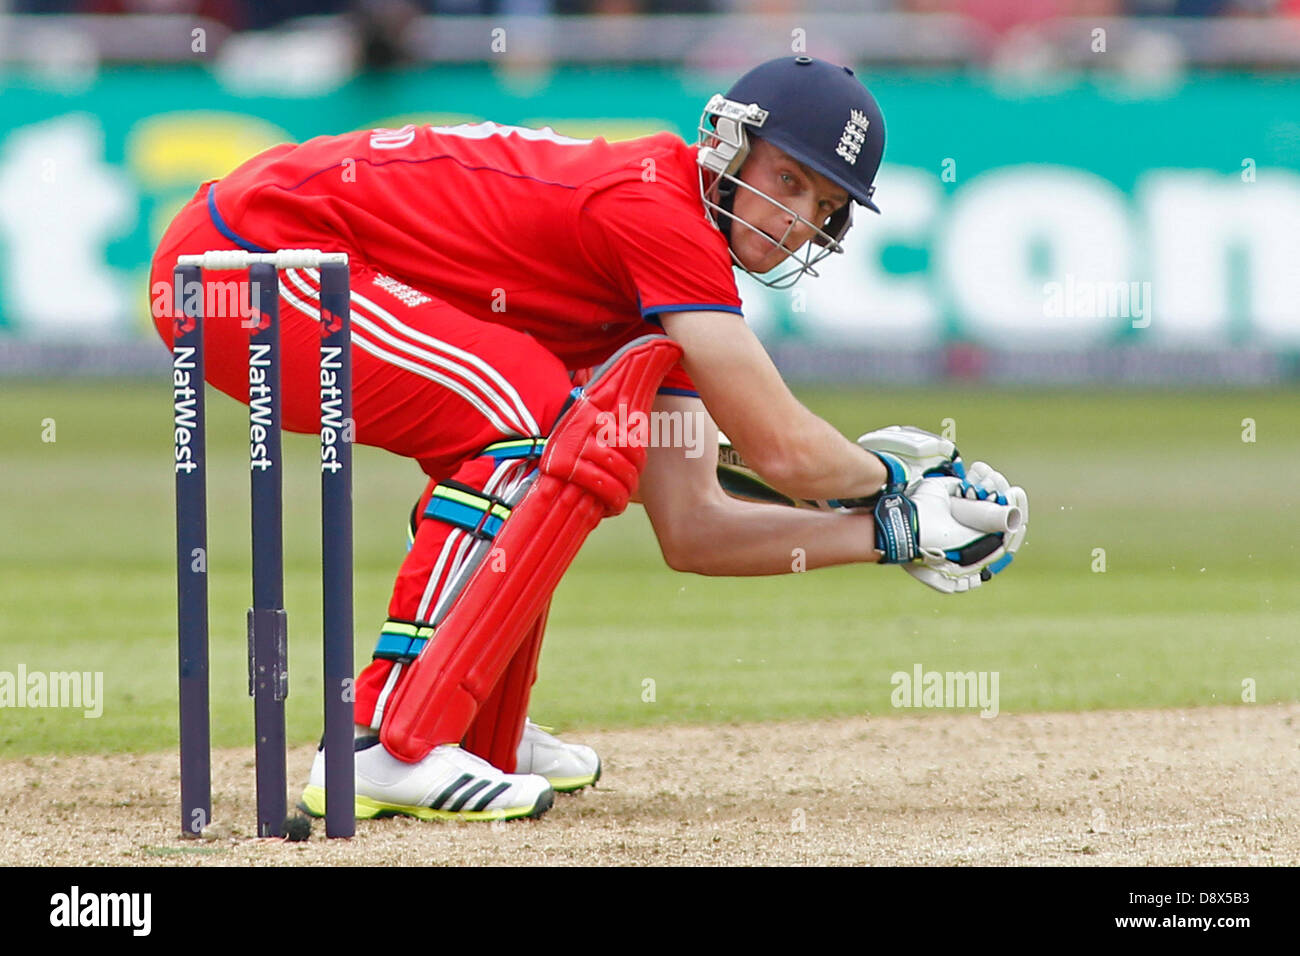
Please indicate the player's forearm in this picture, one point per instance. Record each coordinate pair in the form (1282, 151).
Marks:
(738, 538)
(819, 462)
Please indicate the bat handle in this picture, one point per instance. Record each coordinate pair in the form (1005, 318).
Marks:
(987, 516)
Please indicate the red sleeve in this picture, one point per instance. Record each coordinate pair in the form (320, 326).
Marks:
(652, 240)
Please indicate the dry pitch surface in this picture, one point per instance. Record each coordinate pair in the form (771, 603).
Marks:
(1190, 787)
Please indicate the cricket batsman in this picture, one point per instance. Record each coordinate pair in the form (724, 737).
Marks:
(514, 292)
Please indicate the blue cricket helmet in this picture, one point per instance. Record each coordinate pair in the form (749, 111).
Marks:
(820, 114)
(816, 112)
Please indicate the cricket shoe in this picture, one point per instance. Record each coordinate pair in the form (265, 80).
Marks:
(567, 767)
(448, 784)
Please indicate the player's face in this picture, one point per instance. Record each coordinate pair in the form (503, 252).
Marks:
(808, 193)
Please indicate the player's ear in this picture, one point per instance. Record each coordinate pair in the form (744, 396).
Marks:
(837, 225)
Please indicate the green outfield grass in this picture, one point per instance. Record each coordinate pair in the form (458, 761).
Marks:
(1200, 593)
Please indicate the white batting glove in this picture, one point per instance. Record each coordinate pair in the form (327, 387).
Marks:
(952, 534)
(910, 454)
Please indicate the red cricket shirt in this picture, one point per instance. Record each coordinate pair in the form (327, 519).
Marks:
(579, 243)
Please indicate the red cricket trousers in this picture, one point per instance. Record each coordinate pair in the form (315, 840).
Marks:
(430, 382)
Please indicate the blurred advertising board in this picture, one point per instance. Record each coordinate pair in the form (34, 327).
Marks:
(1077, 217)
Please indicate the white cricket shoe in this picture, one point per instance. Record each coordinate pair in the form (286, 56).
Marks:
(568, 767)
(449, 784)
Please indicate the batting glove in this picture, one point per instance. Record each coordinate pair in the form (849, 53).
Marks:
(950, 533)
(910, 454)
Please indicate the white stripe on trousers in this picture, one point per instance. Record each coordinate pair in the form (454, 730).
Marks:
(378, 323)
(359, 325)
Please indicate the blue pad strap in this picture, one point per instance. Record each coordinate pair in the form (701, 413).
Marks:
(402, 641)
(478, 512)
(516, 448)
